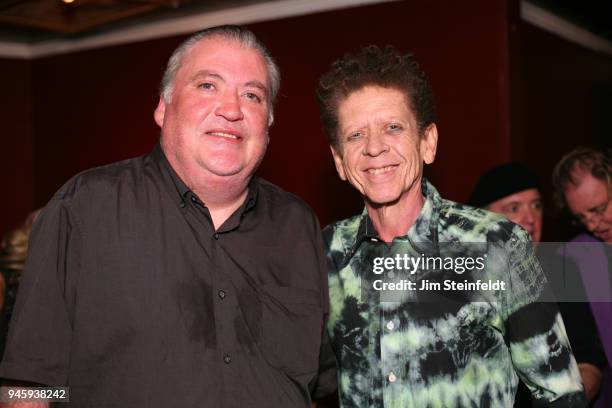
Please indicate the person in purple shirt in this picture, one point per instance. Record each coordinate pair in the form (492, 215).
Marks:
(583, 186)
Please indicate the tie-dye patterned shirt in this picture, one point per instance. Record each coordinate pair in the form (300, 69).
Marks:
(464, 351)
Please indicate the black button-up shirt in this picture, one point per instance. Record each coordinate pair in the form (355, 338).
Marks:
(132, 299)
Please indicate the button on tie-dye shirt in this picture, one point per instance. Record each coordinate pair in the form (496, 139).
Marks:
(462, 349)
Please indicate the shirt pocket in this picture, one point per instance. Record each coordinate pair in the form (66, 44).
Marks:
(292, 328)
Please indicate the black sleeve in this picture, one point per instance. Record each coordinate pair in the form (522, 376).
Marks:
(326, 382)
(38, 344)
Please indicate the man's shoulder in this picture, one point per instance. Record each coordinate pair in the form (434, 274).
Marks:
(341, 234)
(465, 223)
(347, 226)
(102, 179)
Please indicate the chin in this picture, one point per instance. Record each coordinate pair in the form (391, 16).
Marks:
(604, 237)
(224, 171)
(382, 199)
(223, 165)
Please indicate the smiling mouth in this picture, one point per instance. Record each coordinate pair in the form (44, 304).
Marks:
(225, 135)
(603, 233)
(381, 170)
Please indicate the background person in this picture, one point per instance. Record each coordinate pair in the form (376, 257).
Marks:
(582, 180)
(13, 253)
(512, 189)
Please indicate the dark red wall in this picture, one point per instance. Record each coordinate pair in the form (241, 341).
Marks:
(565, 101)
(95, 107)
(464, 52)
(16, 149)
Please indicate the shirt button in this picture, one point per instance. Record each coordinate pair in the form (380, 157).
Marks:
(216, 235)
(221, 294)
(227, 359)
(392, 378)
(193, 199)
(390, 326)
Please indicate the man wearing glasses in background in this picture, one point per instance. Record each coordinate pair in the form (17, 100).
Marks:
(583, 186)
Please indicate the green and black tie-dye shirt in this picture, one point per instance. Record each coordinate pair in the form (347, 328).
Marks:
(464, 349)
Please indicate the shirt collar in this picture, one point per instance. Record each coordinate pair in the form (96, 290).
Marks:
(424, 229)
(181, 192)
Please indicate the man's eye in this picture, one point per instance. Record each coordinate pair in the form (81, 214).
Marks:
(253, 96)
(394, 127)
(601, 209)
(354, 136)
(513, 209)
(207, 85)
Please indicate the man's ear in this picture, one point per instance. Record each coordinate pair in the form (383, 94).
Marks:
(160, 112)
(429, 143)
(339, 163)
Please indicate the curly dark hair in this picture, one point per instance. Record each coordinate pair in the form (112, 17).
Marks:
(374, 66)
(595, 161)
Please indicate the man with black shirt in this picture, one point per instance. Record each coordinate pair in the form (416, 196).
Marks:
(178, 278)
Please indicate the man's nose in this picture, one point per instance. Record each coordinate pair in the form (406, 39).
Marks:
(591, 223)
(529, 216)
(229, 107)
(375, 145)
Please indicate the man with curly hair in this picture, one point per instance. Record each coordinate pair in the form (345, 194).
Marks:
(400, 340)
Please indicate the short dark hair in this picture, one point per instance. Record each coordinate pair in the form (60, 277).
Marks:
(374, 66)
(595, 161)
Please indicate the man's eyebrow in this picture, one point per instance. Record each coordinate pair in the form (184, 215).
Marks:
(206, 73)
(597, 206)
(257, 84)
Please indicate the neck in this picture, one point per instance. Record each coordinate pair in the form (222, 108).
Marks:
(222, 195)
(395, 219)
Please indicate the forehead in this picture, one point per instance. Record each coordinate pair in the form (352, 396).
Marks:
(525, 196)
(228, 58)
(587, 193)
(373, 100)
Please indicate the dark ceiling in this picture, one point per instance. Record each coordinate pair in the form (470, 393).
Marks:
(32, 21)
(74, 16)
(592, 15)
